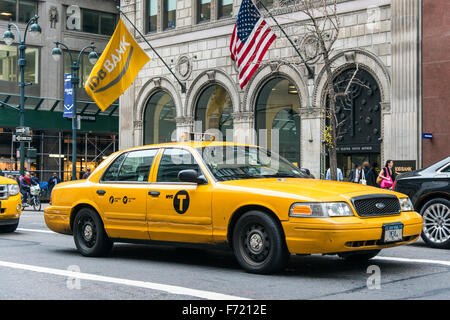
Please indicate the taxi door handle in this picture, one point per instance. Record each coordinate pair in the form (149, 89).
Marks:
(101, 192)
(154, 193)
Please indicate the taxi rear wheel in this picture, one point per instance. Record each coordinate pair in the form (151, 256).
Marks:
(258, 243)
(89, 235)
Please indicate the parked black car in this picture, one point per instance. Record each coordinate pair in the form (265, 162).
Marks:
(429, 191)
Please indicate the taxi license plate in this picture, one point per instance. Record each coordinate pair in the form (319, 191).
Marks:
(392, 232)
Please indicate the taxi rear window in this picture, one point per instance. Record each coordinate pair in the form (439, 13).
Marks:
(133, 166)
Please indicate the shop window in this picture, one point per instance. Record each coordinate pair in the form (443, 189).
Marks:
(214, 109)
(9, 71)
(170, 13)
(17, 10)
(278, 108)
(159, 118)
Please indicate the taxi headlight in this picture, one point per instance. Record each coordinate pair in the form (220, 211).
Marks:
(13, 189)
(406, 204)
(320, 210)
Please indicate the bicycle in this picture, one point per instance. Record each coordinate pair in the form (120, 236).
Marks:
(33, 198)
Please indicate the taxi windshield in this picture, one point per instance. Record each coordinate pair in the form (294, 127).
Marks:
(244, 162)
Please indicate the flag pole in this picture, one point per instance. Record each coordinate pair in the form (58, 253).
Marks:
(183, 86)
(308, 67)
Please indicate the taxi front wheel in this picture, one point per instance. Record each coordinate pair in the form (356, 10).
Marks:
(89, 235)
(259, 244)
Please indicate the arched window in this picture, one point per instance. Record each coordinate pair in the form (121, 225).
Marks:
(278, 108)
(214, 109)
(359, 117)
(159, 118)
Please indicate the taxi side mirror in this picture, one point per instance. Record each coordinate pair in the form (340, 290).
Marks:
(191, 175)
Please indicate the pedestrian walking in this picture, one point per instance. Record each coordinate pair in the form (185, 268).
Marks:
(387, 176)
(356, 174)
(87, 174)
(369, 174)
(53, 181)
(340, 177)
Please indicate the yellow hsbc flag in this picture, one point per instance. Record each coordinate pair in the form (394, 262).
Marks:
(116, 69)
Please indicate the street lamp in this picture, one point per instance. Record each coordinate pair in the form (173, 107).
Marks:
(74, 67)
(8, 38)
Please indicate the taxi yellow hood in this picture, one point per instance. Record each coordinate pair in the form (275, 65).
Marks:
(303, 189)
(4, 180)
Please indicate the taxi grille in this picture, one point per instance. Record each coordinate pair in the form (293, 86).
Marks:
(376, 205)
(3, 191)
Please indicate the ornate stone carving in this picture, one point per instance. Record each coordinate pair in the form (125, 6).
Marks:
(211, 75)
(53, 16)
(157, 82)
(184, 67)
(309, 47)
(243, 117)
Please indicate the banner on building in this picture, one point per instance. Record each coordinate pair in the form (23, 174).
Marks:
(68, 96)
(116, 69)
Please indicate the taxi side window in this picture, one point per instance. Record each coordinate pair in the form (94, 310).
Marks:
(113, 171)
(172, 162)
(135, 167)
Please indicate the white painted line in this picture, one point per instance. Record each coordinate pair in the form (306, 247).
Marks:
(36, 230)
(142, 284)
(427, 261)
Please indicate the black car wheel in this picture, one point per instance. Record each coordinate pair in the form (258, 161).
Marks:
(359, 256)
(89, 234)
(259, 244)
(436, 223)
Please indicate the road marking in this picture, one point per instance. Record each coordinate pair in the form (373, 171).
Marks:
(35, 230)
(427, 261)
(135, 283)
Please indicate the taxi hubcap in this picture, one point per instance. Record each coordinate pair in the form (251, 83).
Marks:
(436, 223)
(88, 231)
(255, 243)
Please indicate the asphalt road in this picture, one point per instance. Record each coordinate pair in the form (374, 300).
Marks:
(36, 263)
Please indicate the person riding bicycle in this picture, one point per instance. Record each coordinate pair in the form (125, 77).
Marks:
(25, 185)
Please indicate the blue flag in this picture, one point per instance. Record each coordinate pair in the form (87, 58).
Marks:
(68, 96)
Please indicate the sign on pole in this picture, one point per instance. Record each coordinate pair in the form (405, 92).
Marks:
(68, 96)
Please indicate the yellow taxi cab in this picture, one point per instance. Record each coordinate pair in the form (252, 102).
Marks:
(10, 205)
(241, 195)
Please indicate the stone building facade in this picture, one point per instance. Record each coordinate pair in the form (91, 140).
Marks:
(380, 36)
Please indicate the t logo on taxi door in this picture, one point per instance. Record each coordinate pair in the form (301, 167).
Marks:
(181, 201)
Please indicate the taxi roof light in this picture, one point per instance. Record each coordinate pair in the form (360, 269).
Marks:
(197, 136)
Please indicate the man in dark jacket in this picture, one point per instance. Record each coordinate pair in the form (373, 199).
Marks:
(355, 174)
(53, 181)
(369, 173)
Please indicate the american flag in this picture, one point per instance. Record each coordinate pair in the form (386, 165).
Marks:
(250, 40)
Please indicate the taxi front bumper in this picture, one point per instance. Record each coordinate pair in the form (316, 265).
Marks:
(343, 234)
(10, 209)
